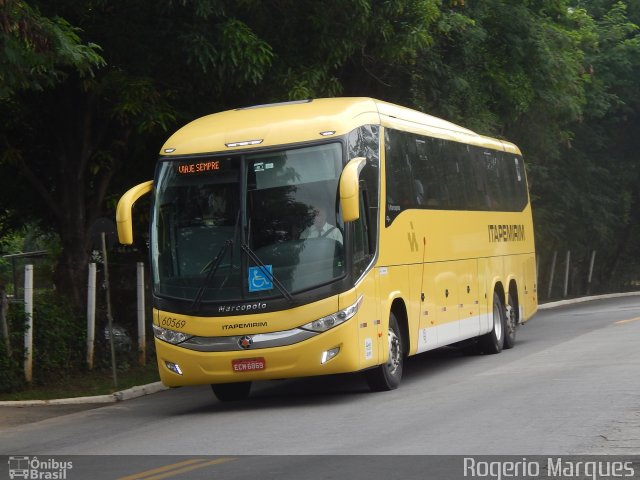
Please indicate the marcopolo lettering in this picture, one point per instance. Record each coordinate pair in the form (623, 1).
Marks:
(506, 233)
(245, 307)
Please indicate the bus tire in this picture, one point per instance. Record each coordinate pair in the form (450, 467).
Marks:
(493, 341)
(511, 323)
(231, 392)
(387, 376)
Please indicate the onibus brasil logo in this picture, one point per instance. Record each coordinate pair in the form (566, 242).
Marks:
(35, 469)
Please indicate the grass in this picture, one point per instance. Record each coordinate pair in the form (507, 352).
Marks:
(86, 384)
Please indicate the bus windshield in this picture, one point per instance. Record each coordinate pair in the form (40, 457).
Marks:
(247, 227)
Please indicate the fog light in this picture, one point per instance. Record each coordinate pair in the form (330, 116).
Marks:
(174, 367)
(329, 354)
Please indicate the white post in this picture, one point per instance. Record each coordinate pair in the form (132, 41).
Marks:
(4, 326)
(591, 263)
(141, 331)
(566, 273)
(553, 271)
(91, 314)
(107, 289)
(28, 334)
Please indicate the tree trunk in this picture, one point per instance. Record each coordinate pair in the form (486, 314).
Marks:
(74, 191)
(69, 275)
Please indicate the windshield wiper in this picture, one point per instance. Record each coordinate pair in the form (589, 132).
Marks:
(263, 268)
(215, 264)
(195, 306)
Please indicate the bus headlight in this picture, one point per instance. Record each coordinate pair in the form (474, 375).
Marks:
(170, 336)
(325, 323)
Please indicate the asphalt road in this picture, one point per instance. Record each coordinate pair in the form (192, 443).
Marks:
(570, 386)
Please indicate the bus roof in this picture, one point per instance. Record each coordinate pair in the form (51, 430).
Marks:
(308, 120)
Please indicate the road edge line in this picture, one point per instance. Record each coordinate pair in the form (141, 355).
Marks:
(573, 301)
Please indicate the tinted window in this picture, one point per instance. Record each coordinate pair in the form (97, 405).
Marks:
(431, 173)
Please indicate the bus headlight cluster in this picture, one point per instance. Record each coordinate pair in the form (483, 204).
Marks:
(325, 323)
(170, 336)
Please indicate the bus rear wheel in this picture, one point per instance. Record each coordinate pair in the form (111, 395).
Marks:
(511, 323)
(231, 392)
(387, 376)
(493, 342)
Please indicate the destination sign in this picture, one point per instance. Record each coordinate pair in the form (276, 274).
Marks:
(199, 167)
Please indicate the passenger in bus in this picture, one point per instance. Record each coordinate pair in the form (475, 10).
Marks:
(217, 207)
(321, 228)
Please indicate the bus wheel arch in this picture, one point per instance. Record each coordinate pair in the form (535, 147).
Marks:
(387, 376)
(399, 310)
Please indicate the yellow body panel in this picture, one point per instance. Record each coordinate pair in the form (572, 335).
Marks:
(271, 125)
(283, 124)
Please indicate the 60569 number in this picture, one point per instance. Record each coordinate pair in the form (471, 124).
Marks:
(172, 322)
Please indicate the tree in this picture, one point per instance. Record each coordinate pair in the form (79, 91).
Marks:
(68, 140)
(38, 51)
(606, 174)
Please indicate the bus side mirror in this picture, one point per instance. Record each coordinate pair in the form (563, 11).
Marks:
(349, 189)
(123, 211)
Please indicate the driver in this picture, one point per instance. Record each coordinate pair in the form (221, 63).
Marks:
(320, 228)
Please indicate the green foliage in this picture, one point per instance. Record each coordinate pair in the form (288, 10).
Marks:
(12, 366)
(59, 337)
(37, 50)
(58, 342)
(28, 238)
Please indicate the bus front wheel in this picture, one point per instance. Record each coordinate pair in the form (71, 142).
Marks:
(493, 342)
(231, 392)
(387, 376)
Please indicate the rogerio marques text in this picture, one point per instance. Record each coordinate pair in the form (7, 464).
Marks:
(550, 467)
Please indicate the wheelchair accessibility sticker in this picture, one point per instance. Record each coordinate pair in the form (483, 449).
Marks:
(258, 280)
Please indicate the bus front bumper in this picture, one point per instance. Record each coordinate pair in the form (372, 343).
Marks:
(179, 366)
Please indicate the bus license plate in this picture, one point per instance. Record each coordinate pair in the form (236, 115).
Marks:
(248, 364)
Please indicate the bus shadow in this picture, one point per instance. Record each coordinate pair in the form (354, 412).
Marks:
(440, 360)
(283, 394)
(337, 389)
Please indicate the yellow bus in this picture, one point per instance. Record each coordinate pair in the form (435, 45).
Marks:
(328, 236)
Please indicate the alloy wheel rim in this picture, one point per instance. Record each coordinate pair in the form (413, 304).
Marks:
(497, 321)
(395, 355)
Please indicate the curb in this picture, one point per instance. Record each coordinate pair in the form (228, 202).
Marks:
(139, 391)
(573, 301)
(128, 394)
